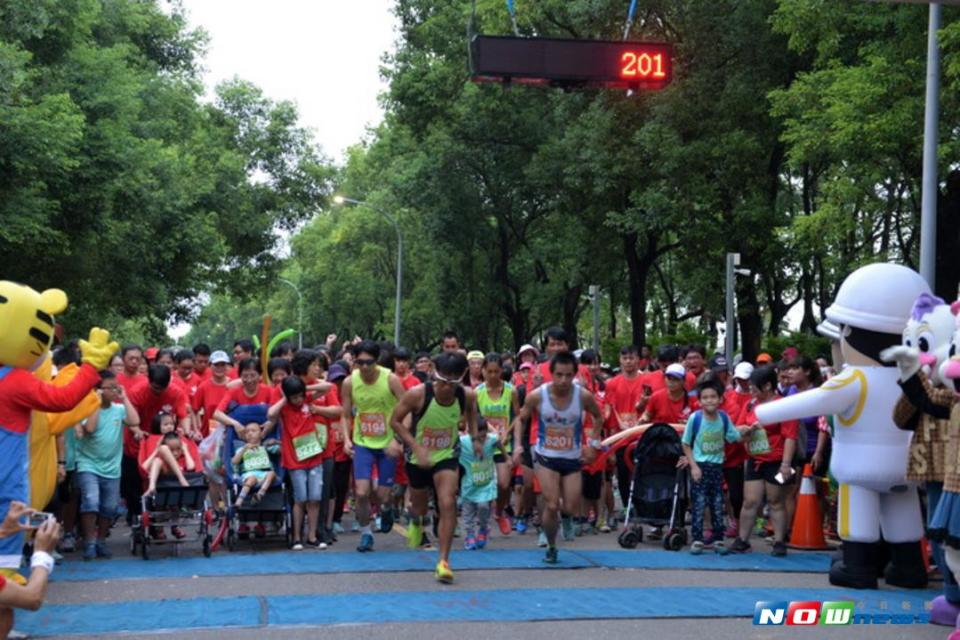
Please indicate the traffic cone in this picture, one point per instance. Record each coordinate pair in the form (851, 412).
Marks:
(807, 532)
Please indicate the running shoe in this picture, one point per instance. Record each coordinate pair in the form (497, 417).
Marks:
(89, 551)
(779, 549)
(354, 527)
(521, 526)
(297, 546)
(443, 572)
(504, 523)
(605, 527)
(482, 538)
(318, 544)
(542, 538)
(740, 546)
(386, 521)
(337, 528)
(69, 544)
(566, 526)
(721, 548)
(697, 547)
(551, 556)
(366, 542)
(470, 544)
(103, 551)
(178, 533)
(414, 534)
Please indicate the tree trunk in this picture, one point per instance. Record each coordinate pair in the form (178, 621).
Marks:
(637, 291)
(948, 238)
(571, 312)
(751, 322)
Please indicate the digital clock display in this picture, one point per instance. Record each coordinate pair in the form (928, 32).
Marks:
(571, 63)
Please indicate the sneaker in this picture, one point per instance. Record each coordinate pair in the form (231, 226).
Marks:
(178, 533)
(655, 534)
(297, 546)
(386, 521)
(443, 572)
(331, 535)
(318, 544)
(482, 538)
(103, 551)
(457, 531)
(504, 523)
(697, 547)
(366, 542)
(779, 549)
(89, 551)
(566, 527)
(521, 526)
(542, 539)
(551, 556)
(605, 527)
(414, 534)
(354, 527)
(69, 544)
(720, 548)
(740, 546)
(470, 544)
(731, 532)
(337, 528)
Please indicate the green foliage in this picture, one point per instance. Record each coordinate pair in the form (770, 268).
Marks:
(805, 343)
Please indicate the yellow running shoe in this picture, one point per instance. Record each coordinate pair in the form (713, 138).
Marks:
(443, 572)
(414, 534)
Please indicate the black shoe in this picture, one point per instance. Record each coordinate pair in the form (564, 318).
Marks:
(386, 520)
(330, 535)
(906, 566)
(779, 549)
(740, 546)
(857, 570)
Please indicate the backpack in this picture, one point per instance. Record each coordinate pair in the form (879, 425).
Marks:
(698, 419)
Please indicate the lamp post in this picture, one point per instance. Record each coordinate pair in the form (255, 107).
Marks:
(299, 312)
(733, 261)
(392, 220)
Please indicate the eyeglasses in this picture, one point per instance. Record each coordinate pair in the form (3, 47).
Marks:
(365, 362)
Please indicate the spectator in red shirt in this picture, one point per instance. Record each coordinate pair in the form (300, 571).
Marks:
(770, 449)
(250, 391)
(242, 350)
(671, 405)
(185, 374)
(132, 356)
(211, 392)
(201, 361)
(342, 463)
(666, 355)
(623, 397)
(401, 364)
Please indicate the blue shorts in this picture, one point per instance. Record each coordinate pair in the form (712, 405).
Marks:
(307, 484)
(98, 494)
(363, 461)
(259, 474)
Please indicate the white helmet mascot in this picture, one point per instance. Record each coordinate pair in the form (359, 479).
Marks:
(869, 458)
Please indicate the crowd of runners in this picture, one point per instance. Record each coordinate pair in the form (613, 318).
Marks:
(449, 445)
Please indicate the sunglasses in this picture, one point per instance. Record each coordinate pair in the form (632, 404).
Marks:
(439, 378)
(365, 362)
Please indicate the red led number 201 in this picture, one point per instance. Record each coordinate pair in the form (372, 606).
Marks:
(642, 65)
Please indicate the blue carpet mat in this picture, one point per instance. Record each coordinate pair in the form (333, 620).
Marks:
(227, 564)
(440, 605)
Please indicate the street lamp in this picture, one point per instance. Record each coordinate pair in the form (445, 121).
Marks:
(360, 203)
(733, 261)
(299, 312)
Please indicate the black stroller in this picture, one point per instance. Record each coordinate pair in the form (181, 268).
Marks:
(658, 489)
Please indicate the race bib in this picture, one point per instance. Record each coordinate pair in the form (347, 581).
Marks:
(481, 473)
(307, 446)
(711, 442)
(497, 425)
(322, 434)
(373, 425)
(558, 438)
(256, 459)
(758, 444)
(436, 439)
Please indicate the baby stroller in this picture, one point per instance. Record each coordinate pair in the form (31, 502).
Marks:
(658, 490)
(172, 505)
(274, 508)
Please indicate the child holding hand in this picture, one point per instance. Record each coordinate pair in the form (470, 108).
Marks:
(706, 432)
(478, 487)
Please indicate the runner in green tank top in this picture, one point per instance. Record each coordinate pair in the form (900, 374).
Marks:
(433, 440)
(498, 404)
(368, 397)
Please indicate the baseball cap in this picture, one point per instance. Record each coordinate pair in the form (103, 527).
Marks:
(218, 357)
(526, 365)
(718, 363)
(336, 372)
(743, 371)
(151, 353)
(676, 370)
(764, 358)
(475, 355)
(528, 347)
(790, 353)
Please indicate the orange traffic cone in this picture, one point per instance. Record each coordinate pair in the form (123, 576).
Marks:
(807, 530)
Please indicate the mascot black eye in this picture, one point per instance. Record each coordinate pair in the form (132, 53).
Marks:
(953, 350)
(923, 345)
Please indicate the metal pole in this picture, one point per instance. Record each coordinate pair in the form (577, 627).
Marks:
(396, 312)
(931, 117)
(595, 297)
(729, 314)
(299, 312)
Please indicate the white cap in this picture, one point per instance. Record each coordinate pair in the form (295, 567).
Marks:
(877, 297)
(527, 347)
(743, 371)
(219, 356)
(676, 370)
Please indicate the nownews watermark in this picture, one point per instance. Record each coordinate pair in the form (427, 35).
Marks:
(832, 614)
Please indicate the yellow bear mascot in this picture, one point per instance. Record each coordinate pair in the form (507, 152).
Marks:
(26, 317)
